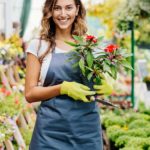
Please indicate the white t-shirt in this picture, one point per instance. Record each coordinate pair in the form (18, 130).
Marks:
(33, 49)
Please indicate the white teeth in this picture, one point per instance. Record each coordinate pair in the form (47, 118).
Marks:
(63, 20)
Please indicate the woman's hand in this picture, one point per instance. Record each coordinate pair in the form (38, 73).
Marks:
(76, 90)
(104, 88)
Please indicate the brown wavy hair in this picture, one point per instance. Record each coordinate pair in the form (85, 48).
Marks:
(48, 26)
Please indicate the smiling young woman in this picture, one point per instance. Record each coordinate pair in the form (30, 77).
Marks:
(66, 119)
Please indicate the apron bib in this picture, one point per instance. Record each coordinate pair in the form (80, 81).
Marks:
(63, 123)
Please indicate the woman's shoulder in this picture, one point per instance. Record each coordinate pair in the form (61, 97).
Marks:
(37, 46)
(38, 40)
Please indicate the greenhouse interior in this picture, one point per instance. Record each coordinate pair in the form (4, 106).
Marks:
(113, 65)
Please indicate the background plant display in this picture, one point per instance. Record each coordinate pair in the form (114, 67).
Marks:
(127, 129)
(11, 105)
(117, 14)
(135, 10)
(27, 134)
(106, 14)
(10, 49)
(6, 129)
(16, 116)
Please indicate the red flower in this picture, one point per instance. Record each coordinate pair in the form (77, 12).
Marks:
(111, 48)
(17, 101)
(91, 38)
(94, 40)
(3, 90)
(7, 93)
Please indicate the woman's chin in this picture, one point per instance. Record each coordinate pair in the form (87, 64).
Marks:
(64, 27)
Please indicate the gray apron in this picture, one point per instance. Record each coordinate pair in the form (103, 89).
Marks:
(63, 123)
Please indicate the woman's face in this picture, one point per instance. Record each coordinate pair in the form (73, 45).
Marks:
(64, 13)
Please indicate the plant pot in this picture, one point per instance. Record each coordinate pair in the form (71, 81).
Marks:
(148, 85)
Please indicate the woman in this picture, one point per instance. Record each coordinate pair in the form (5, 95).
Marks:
(66, 119)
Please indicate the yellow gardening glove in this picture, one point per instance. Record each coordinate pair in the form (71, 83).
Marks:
(104, 88)
(76, 90)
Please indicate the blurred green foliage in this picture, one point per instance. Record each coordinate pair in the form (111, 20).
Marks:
(128, 129)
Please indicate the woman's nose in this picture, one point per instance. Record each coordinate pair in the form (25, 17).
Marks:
(63, 12)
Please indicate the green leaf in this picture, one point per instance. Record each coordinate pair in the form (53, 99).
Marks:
(127, 55)
(126, 64)
(90, 76)
(75, 65)
(100, 55)
(106, 67)
(100, 38)
(97, 80)
(78, 38)
(107, 61)
(115, 60)
(71, 44)
(89, 59)
(113, 72)
(96, 66)
(73, 57)
(82, 66)
(121, 51)
(88, 68)
(70, 59)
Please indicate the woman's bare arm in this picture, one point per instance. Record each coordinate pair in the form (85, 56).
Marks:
(33, 92)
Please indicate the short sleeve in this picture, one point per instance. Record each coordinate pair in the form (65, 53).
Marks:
(33, 47)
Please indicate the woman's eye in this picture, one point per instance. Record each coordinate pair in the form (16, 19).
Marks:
(56, 8)
(69, 8)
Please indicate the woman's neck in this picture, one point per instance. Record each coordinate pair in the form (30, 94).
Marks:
(63, 35)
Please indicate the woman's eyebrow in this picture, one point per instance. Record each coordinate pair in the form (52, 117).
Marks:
(70, 5)
(65, 6)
